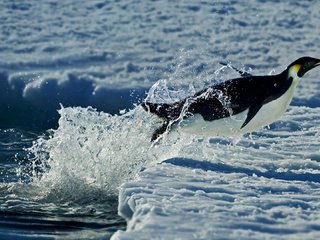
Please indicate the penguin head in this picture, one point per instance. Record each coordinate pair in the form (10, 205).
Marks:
(302, 65)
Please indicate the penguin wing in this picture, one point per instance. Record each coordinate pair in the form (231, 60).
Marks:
(253, 109)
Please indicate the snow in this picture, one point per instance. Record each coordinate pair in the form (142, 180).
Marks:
(266, 186)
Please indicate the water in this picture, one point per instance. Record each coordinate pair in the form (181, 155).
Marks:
(64, 183)
(30, 210)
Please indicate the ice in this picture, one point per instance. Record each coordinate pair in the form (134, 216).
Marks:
(264, 187)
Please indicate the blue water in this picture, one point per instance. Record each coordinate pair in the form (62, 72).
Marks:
(23, 215)
(107, 54)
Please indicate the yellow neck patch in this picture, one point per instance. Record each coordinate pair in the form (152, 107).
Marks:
(293, 71)
(295, 68)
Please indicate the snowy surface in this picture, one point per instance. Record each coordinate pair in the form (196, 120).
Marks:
(264, 187)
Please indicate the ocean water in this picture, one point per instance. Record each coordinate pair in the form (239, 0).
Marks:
(55, 210)
(75, 149)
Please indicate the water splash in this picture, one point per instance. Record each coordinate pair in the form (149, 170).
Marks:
(92, 153)
(191, 72)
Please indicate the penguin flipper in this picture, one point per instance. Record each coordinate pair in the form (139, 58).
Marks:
(252, 112)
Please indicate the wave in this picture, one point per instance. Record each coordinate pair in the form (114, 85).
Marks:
(33, 104)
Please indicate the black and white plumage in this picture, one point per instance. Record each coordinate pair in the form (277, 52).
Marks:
(236, 106)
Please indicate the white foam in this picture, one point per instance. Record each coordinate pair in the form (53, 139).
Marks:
(92, 151)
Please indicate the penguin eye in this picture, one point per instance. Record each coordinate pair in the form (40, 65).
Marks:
(304, 68)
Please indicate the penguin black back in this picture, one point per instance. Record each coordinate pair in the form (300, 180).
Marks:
(224, 99)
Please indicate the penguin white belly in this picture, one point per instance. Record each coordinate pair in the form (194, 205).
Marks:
(231, 126)
(221, 127)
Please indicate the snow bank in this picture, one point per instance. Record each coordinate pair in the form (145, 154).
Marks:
(264, 187)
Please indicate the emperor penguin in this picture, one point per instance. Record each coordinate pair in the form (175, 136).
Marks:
(234, 107)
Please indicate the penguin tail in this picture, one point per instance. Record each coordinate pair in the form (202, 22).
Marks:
(162, 110)
(165, 111)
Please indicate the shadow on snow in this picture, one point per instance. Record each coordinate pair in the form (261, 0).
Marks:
(225, 168)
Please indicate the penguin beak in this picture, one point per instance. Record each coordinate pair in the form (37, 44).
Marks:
(317, 62)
